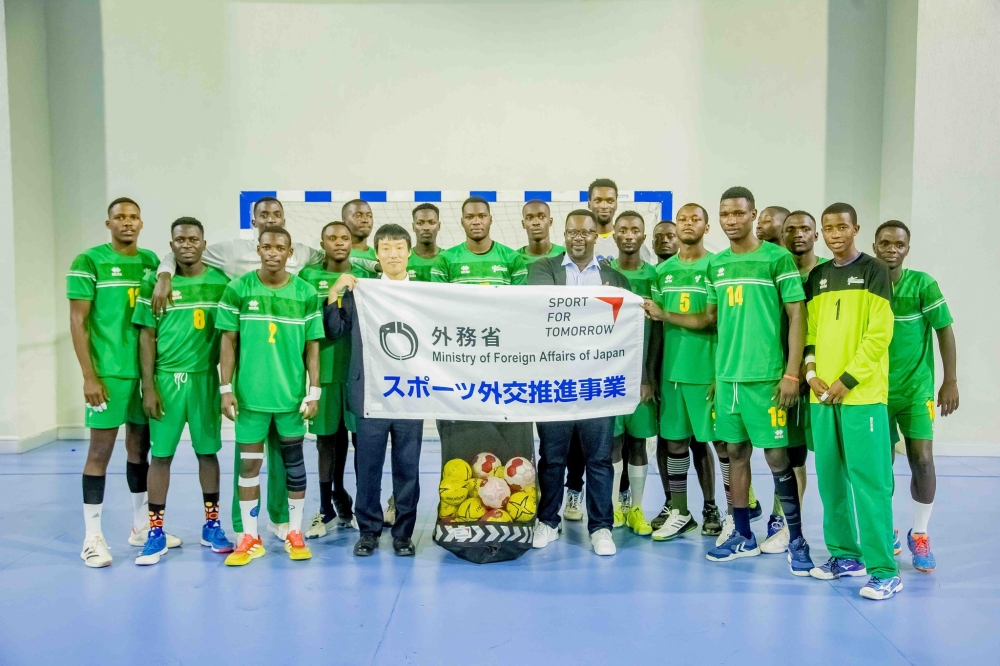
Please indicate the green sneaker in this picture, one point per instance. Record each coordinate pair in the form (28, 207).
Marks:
(619, 517)
(638, 523)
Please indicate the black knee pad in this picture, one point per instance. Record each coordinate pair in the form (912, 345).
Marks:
(295, 465)
(797, 456)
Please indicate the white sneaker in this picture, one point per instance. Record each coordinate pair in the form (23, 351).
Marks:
(676, 524)
(544, 535)
(280, 530)
(138, 539)
(602, 542)
(777, 542)
(728, 527)
(572, 510)
(95, 552)
(317, 528)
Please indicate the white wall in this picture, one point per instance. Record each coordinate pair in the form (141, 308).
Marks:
(956, 177)
(8, 301)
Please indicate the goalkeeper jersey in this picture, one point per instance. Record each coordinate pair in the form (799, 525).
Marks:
(111, 281)
(498, 265)
(918, 307)
(334, 355)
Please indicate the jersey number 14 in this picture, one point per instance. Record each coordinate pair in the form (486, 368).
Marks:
(735, 294)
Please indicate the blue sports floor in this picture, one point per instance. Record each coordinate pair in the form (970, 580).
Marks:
(653, 603)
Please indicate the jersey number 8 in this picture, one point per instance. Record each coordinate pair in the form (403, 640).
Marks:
(199, 318)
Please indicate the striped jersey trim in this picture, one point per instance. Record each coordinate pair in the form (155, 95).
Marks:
(764, 283)
(677, 290)
(283, 320)
(80, 274)
(936, 304)
(909, 317)
(788, 276)
(117, 283)
(230, 308)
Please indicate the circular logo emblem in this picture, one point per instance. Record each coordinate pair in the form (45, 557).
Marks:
(400, 350)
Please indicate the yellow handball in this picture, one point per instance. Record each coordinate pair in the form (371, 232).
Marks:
(447, 510)
(531, 490)
(498, 516)
(456, 468)
(498, 472)
(453, 491)
(521, 506)
(470, 511)
(472, 488)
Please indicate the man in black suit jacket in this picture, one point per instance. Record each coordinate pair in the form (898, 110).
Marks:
(392, 246)
(576, 267)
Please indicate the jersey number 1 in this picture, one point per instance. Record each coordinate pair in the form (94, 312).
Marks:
(779, 417)
(272, 328)
(735, 294)
(132, 293)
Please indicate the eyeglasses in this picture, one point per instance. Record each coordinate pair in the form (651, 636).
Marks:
(580, 233)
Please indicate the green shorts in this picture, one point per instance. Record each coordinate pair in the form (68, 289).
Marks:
(124, 404)
(192, 399)
(798, 425)
(686, 411)
(332, 410)
(639, 424)
(750, 412)
(252, 427)
(915, 420)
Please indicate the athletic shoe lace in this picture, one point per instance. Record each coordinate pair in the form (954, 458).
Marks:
(921, 545)
(573, 500)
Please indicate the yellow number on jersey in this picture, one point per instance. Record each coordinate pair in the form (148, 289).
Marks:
(133, 292)
(685, 302)
(779, 417)
(735, 294)
(272, 328)
(930, 408)
(199, 318)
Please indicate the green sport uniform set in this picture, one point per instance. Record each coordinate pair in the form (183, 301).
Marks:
(499, 265)
(529, 259)
(419, 269)
(799, 433)
(643, 422)
(686, 405)
(187, 358)
(111, 282)
(917, 307)
(274, 325)
(750, 290)
(850, 328)
(334, 360)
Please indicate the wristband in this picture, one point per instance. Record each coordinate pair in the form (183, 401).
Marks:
(810, 375)
(223, 390)
(809, 359)
(315, 392)
(794, 379)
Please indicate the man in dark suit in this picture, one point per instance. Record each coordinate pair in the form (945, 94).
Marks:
(578, 266)
(392, 247)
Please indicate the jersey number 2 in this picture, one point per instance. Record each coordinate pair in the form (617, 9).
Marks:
(735, 294)
(272, 328)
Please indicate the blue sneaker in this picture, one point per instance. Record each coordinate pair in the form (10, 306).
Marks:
(897, 546)
(920, 545)
(755, 512)
(156, 545)
(213, 536)
(881, 588)
(736, 546)
(798, 557)
(837, 567)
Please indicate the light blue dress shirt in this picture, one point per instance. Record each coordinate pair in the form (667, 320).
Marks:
(590, 276)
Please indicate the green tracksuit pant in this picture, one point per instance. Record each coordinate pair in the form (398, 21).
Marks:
(854, 473)
(277, 490)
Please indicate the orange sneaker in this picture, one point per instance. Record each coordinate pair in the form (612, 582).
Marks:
(250, 548)
(296, 546)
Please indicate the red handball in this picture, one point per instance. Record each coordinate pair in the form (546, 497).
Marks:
(519, 474)
(484, 464)
(493, 493)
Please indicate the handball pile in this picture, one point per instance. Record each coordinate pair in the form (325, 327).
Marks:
(487, 490)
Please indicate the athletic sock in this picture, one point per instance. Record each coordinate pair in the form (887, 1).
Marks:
(92, 519)
(615, 497)
(326, 500)
(248, 513)
(339, 461)
(637, 481)
(296, 508)
(93, 503)
(211, 506)
(156, 512)
(776, 508)
(677, 466)
(787, 492)
(724, 465)
(921, 516)
(741, 519)
(140, 511)
(135, 474)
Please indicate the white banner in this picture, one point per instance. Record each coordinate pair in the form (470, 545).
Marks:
(489, 353)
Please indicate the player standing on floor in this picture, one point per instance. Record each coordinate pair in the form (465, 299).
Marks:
(769, 224)
(102, 286)
(332, 419)
(536, 218)
(479, 259)
(847, 367)
(632, 431)
(273, 319)
(917, 307)
(425, 254)
(687, 384)
(179, 357)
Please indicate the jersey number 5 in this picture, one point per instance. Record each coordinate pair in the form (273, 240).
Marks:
(272, 328)
(735, 294)
(199, 318)
(685, 301)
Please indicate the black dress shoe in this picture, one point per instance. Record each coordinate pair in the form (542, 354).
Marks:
(404, 547)
(366, 545)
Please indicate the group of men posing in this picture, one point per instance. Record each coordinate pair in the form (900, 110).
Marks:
(762, 345)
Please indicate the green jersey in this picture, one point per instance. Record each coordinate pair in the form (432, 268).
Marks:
(498, 265)
(274, 325)
(334, 356)
(359, 270)
(529, 259)
(111, 281)
(640, 283)
(917, 307)
(186, 339)
(751, 290)
(682, 287)
(419, 269)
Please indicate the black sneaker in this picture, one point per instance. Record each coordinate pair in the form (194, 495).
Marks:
(366, 545)
(711, 521)
(404, 547)
(657, 522)
(344, 505)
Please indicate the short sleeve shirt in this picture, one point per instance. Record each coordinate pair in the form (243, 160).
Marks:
(682, 287)
(498, 266)
(918, 307)
(334, 356)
